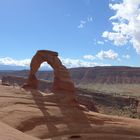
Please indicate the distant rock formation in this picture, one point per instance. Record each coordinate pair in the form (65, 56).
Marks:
(90, 75)
(20, 81)
(62, 79)
(106, 74)
(13, 80)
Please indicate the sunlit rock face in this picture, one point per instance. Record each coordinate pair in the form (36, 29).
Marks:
(62, 79)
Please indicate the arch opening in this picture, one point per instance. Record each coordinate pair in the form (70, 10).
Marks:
(62, 80)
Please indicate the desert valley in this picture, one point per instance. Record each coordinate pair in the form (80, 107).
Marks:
(69, 70)
(114, 90)
(105, 104)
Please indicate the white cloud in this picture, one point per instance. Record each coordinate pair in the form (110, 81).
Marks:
(126, 24)
(89, 19)
(117, 38)
(84, 22)
(127, 56)
(68, 62)
(100, 42)
(110, 54)
(77, 63)
(14, 62)
(89, 57)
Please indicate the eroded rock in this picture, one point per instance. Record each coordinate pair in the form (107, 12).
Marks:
(62, 79)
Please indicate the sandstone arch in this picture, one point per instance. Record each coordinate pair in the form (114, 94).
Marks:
(62, 80)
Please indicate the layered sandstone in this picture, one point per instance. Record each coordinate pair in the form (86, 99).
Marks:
(62, 79)
(50, 116)
(9, 133)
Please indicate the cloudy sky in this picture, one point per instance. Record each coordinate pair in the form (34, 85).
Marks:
(84, 32)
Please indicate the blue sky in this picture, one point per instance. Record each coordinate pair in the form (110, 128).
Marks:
(83, 32)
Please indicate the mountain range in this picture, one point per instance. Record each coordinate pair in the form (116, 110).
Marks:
(86, 75)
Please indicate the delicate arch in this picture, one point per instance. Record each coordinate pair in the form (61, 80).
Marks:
(62, 80)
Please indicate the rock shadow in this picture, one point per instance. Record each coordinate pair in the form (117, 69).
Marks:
(61, 118)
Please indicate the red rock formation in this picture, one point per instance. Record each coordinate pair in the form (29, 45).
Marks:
(48, 118)
(62, 79)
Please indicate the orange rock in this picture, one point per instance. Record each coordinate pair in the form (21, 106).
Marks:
(62, 79)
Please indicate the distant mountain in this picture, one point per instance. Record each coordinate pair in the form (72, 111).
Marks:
(17, 68)
(104, 74)
(8, 67)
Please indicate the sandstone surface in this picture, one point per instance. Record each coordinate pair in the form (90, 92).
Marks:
(51, 116)
(62, 80)
(9, 133)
